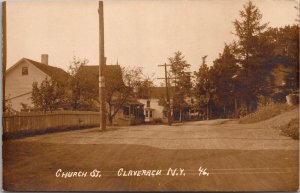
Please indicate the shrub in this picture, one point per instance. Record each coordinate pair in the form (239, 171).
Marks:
(157, 121)
(291, 129)
(266, 112)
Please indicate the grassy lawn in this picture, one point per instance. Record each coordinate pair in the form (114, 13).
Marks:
(291, 129)
(266, 112)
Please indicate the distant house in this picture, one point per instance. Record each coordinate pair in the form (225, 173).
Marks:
(19, 79)
(131, 112)
(285, 76)
(281, 68)
(153, 110)
(154, 107)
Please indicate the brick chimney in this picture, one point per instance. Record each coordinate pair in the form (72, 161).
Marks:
(44, 59)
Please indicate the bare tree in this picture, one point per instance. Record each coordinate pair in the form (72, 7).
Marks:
(118, 92)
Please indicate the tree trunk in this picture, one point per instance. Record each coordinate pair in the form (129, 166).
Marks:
(207, 112)
(235, 108)
(110, 116)
(110, 119)
(180, 115)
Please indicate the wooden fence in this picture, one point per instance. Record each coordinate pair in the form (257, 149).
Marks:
(35, 122)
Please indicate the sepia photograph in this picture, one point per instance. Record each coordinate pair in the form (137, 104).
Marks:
(150, 95)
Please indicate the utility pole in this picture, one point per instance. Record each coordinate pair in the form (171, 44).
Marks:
(167, 93)
(102, 61)
(3, 52)
(207, 105)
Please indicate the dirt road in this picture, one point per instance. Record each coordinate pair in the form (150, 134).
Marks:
(237, 157)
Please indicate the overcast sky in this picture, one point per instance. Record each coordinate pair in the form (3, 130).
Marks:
(137, 33)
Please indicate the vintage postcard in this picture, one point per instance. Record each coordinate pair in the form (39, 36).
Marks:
(150, 95)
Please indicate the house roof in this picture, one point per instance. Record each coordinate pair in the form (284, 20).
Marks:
(113, 76)
(132, 101)
(158, 92)
(93, 70)
(129, 101)
(90, 74)
(279, 59)
(113, 73)
(55, 73)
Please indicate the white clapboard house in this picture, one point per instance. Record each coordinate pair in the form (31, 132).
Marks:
(20, 77)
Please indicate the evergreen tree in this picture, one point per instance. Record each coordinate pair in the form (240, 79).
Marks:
(204, 89)
(249, 54)
(223, 76)
(182, 82)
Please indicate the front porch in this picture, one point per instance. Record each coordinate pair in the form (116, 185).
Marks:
(132, 113)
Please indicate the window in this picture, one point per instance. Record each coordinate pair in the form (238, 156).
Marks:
(24, 71)
(146, 113)
(165, 114)
(161, 102)
(150, 114)
(126, 111)
(148, 103)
